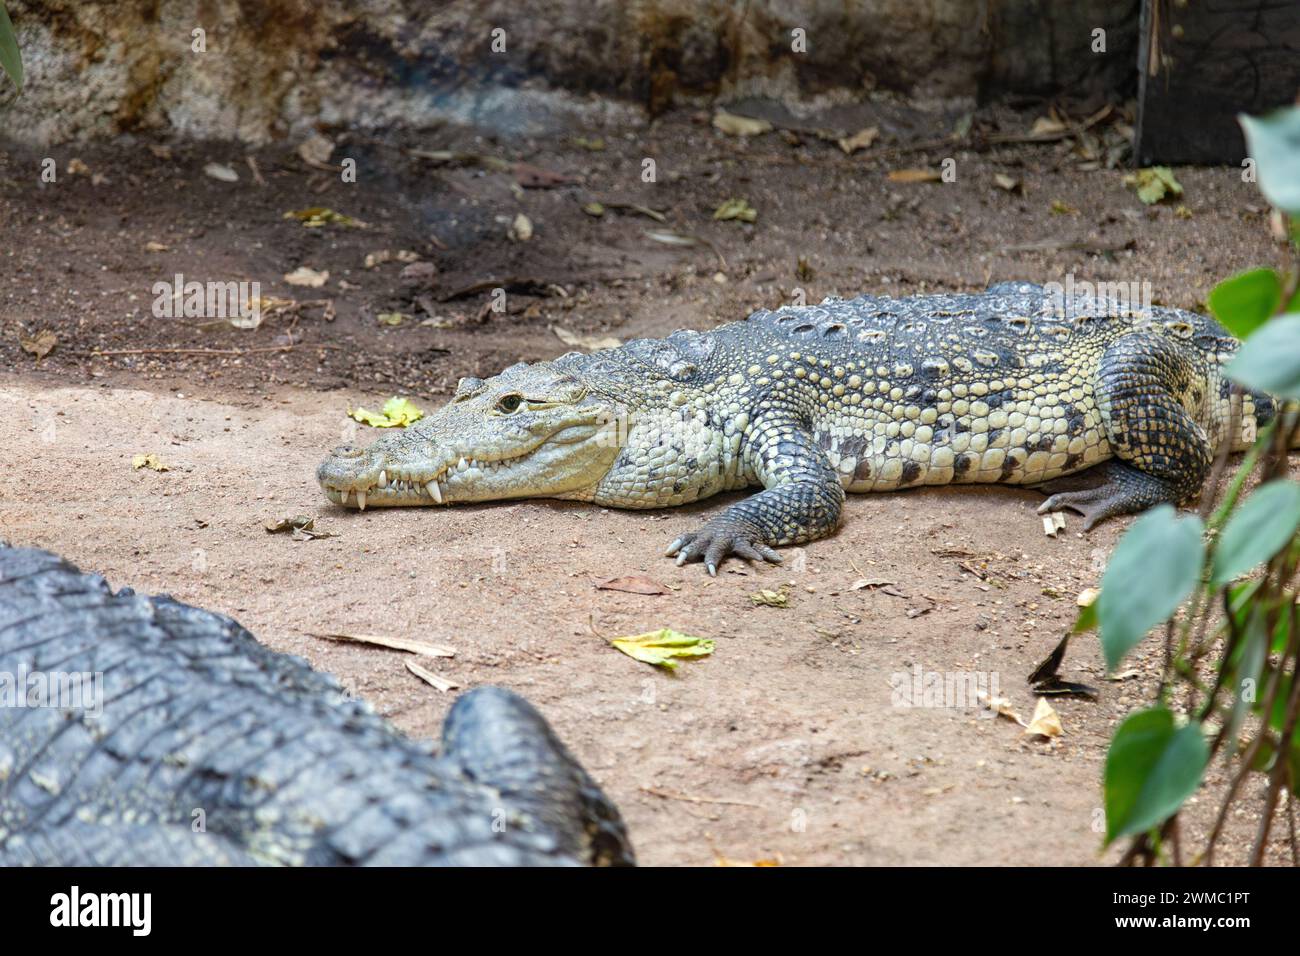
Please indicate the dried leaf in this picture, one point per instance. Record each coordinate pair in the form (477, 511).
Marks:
(40, 345)
(862, 139)
(152, 462)
(304, 522)
(1046, 722)
(152, 246)
(521, 230)
(591, 343)
(314, 217)
(1002, 707)
(221, 172)
(397, 413)
(443, 684)
(631, 584)
(1047, 126)
(390, 318)
(1009, 183)
(734, 125)
(316, 150)
(672, 238)
(303, 276)
(409, 644)
(660, 647)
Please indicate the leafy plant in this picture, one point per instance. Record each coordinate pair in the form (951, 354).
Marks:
(1230, 687)
(11, 62)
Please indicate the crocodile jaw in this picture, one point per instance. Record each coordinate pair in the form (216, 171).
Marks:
(409, 471)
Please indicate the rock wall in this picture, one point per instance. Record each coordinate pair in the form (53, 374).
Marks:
(265, 69)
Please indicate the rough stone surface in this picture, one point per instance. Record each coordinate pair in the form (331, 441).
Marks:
(274, 68)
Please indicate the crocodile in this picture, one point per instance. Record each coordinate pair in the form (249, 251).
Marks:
(142, 731)
(1021, 384)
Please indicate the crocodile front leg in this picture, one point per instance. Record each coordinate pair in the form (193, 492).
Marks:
(1162, 454)
(801, 501)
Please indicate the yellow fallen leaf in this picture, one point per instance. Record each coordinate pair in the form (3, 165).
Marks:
(661, 646)
(397, 413)
(307, 277)
(859, 140)
(1046, 722)
(390, 318)
(736, 209)
(766, 598)
(734, 125)
(151, 462)
(317, 216)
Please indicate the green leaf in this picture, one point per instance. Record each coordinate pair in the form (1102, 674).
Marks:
(1246, 301)
(1151, 768)
(11, 60)
(1154, 184)
(1269, 361)
(397, 413)
(661, 646)
(1155, 566)
(1273, 141)
(1260, 529)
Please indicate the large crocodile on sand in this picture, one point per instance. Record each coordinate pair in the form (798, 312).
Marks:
(1015, 385)
(142, 731)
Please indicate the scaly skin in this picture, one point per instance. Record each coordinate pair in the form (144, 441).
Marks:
(197, 727)
(1009, 386)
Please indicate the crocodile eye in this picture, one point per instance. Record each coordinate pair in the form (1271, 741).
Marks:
(510, 404)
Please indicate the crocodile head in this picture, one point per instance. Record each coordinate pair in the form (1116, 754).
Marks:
(529, 432)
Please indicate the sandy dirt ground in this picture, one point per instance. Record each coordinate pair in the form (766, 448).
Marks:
(788, 742)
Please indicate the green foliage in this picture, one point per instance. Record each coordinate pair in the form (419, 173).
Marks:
(11, 62)
(1269, 361)
(1246, 301)
(1239, 628)
(1156, 565)
(1273, 141)
(1260, 529)
(1151, 768)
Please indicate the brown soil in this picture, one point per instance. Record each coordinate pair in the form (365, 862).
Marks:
(786, 741)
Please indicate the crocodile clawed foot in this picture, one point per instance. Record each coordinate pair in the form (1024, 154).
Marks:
(1118, 489)
(713, 544)
(1095, 505)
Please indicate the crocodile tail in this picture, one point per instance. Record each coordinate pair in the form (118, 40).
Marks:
(501, 741)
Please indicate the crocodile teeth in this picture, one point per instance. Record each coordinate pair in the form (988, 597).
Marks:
(462, 465)
(343, 496)
(383, 479)
(361, 500)
(435, 490)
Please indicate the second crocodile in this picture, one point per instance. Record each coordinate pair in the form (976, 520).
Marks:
(1015, 385)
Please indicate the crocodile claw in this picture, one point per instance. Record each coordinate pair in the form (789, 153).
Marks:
(712, 545)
